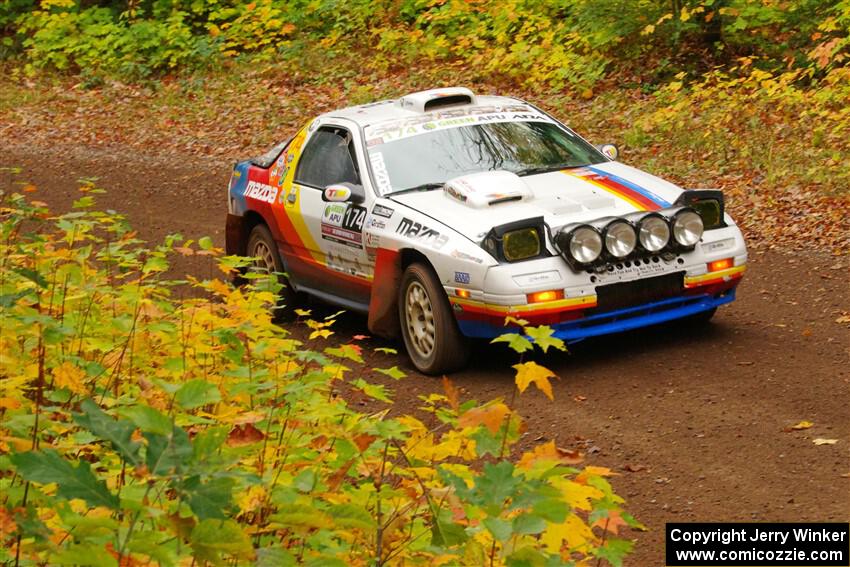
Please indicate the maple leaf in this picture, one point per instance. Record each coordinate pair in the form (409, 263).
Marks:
(324, 333)
(452, 393)
(242, 435)
(549, 452)
(573, 530)
(542, 337)
(532, 373)
(70, 376)
(612, 523)
(515, 341)
(492, 416)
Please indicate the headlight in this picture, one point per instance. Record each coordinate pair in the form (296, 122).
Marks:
(653, 233)
(620, 238)
(518, 240)
(521, 244)
(687, 227)
(585, 244)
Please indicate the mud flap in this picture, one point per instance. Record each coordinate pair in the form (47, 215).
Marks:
(383, 303)
(235, 237)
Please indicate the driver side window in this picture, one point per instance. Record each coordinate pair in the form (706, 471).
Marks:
(328, 158)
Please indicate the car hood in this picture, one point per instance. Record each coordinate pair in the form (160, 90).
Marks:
(473, 204)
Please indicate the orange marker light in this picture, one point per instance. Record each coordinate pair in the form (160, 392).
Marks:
(719, 265)
(464, 293)
(541, 296)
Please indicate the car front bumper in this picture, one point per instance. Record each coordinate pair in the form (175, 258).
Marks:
(591, 303)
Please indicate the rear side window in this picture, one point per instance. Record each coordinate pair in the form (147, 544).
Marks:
(328, 158)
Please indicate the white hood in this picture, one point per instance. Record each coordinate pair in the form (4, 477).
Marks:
(473, 204)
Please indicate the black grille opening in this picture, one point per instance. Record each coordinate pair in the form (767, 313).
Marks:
(629, 294)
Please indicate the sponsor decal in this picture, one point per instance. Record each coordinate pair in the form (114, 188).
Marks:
(464, 256)
(718, 245)
(382, 211)
(379, 170)
(412, 126)
(372, 240)
(334, 214)
(261, 192)
(337, 193)
(342, 236)
(418, 231)
(343, 224)
(462, 277)
(377, 223)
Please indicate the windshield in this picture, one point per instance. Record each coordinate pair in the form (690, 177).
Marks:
(429, 159)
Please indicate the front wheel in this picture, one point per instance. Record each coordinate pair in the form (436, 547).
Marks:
(263, 248)
(433, 341)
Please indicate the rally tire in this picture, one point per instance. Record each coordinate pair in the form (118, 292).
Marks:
(433, 341)
(263, 248)
(697, 320)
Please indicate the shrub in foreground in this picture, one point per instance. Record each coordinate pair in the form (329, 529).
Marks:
(143, 427)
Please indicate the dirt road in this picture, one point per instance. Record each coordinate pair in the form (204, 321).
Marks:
(697, 423)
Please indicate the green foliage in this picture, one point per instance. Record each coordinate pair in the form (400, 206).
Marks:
(142, 428)
(566, 43)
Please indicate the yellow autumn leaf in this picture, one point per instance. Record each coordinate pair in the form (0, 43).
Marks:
(251, 499)
(324, 333)
(531, 372)
(70, 376)
(576, 533)
(578, 496)
(492, 415)
(549, 452)
(802, 425)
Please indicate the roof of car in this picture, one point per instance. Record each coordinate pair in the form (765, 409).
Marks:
(432, 102)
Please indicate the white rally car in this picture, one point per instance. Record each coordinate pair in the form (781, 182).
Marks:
(442, 213)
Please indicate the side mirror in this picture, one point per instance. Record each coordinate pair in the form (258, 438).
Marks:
(344, 193)
(610, 151)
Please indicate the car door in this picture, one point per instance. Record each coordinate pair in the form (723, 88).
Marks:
(336, 228)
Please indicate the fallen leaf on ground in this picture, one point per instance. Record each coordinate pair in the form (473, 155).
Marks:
(821, 441)
(802, 425)
(452, 394)
(244, 435)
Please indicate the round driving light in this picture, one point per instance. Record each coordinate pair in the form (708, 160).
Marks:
(654, 233)
(585, 244)
(687, 227)
(620, 239)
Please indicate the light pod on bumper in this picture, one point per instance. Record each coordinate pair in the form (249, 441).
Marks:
(653, 232)
(687, 227)
(620, 238)
(580, 245)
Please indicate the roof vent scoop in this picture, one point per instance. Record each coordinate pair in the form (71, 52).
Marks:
(434, 99)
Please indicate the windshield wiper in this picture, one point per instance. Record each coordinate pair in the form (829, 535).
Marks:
(420, 187)
(545, 169)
